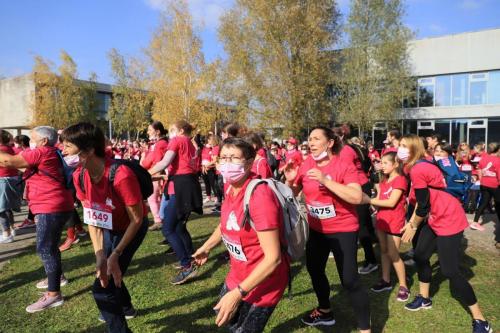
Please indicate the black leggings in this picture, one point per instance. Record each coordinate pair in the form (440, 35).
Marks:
(209, 180)
(448, 249)
(366, 230)
(486, 194)
(344, 248)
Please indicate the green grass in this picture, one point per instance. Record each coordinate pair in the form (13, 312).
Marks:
(188, 308)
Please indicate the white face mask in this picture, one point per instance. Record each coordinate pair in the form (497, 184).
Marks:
(72, 160)
(321, 156)
(172, 135)
(32, 145)
(403, 153)
(439, 158)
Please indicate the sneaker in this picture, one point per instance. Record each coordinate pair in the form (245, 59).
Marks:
(8, 239)
(67, 244)
(381, 286)
(481, 326)
(27, 223)
(367, 268)
(403, 294)
(185, 274)
(44, 284)
(129, 314)
(155, 227)
(163, 243)
(316, 318)
(476, 226)
(410, 262)
(45, 302)
(177, 267)
(12, 230)
(419, 303)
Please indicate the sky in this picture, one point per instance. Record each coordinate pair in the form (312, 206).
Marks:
(88, 29)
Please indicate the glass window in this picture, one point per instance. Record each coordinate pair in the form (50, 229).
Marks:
(494, 87)
(411, 100)
(494, 130)
(458, 131)
(477, 135)
(460, 89)
(442, 127)
(426, 92)
(443, 90)
(409, 127)
(478, 88)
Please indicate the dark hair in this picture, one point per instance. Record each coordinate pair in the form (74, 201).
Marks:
(5, 137)
(338, 132)
(331, 135)
(493, 148)
(23, 140)
(158, 126)
(392, 156)
(436, 136)
(245, 147)
(446, 147)
(424, 141)
(396, 133)
(185, 126)
(255, 140)
(232, 129)
(85, 136)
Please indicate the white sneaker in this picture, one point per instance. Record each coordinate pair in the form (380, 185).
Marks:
(12, 230)
(8, 239)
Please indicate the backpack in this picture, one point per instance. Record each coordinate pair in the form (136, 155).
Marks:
(362, 153)
(457, 182)
(143, 176)
(67, 173)
(295, 223)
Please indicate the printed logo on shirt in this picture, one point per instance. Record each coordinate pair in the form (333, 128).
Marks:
(388, 192)
(487, 172)
(232, 222)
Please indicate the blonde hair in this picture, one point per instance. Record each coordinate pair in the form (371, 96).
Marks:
(416, 149)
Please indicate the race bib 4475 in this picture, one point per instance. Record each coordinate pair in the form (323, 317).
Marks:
(321, 212)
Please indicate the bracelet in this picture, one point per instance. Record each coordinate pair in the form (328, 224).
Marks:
(242, 292)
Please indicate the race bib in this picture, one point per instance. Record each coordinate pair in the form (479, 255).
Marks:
(234, 248)
(321, 212)
(98, 215)
(466, 167)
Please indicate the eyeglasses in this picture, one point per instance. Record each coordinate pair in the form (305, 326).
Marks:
(231, 159)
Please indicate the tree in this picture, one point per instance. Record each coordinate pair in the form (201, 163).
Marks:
(130, 108)
(375, 73)
(179, 74)
(60, 98)
(278, 61)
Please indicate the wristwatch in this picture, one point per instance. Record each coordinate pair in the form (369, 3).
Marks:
(242, 292)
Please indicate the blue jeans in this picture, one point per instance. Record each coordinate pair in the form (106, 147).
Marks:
(176, 233)
(48, 235)
(112, 301)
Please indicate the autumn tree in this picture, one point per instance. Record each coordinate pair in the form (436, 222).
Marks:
(374, 76)
(60, 98)
(179, 74)
(130, 109)
(279, 63)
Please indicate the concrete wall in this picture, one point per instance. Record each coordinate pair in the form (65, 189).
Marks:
(453, 112)
(465, 52)
(15, 100)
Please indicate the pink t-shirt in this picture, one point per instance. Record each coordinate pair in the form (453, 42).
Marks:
(490, 169)
(350, 156)
(326, 212)
(261, 168)
(185, 156)
(7, 172)
(446, 216)
(46, 191)
(392, 219)
(243, 243)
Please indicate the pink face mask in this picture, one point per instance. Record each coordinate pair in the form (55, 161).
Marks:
(72, 160)
(403, 153)
(232, 172)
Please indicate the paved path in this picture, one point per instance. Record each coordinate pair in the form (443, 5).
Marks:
(26, 238)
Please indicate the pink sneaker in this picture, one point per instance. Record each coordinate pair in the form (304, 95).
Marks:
(45, 302)
(476, 226)
(27, 223)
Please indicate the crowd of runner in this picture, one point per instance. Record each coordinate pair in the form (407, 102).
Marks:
(414, 190)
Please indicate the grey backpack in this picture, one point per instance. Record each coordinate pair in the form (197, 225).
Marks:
(296, 226)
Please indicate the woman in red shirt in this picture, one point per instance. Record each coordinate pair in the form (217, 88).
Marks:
(444, 229)
(116, 215)
(331, 190)
(259, 269)
(260, 166)
(181, 159)
(489, 175)
(208, 167)
(391, 203)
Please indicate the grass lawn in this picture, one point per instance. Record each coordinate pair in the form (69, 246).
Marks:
(188, 308)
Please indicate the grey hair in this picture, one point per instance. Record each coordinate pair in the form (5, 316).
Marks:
(48, 133)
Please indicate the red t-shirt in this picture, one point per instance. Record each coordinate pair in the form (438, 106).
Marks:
(392, 220)
(7, 172)
(46, 191)
(243, 243)
(490, 169)
(158, 150)
(350, 156)
(373, 155)
(125, 192)
(446, 216)
(185, 156)
(466, 164)
(261, 168)
(262, 152)
(389, 150)
(294, 156)
(326, 212)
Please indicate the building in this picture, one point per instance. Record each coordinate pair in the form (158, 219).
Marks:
(16, 96)
(457, 87)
